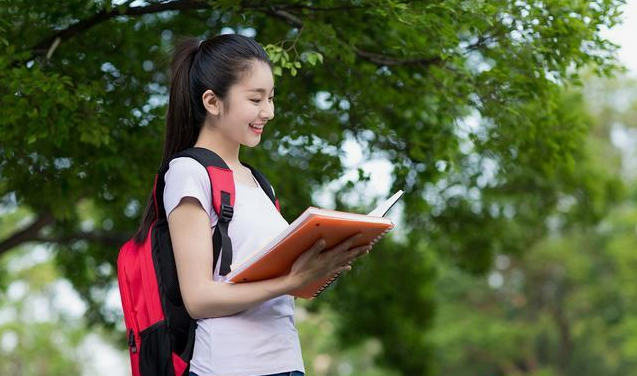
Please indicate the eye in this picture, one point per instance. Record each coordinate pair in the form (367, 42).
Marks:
(271, 98)
(256, 100)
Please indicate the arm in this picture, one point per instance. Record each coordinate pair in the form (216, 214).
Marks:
(191, 236)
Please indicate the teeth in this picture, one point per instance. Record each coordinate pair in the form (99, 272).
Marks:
(254, 126)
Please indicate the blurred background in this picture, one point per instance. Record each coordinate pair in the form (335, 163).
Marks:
(510, 125)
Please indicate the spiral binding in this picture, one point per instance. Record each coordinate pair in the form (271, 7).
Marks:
(376, 239)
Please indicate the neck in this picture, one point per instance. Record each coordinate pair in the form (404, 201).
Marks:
(216, 141)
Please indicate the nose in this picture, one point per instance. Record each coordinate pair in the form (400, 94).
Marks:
(268, 113)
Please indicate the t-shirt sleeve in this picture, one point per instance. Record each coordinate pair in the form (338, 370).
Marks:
(187, 178)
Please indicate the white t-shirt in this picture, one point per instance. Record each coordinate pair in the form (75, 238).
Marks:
(260, 340)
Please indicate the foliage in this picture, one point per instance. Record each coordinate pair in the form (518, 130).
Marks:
(35, 338)
(463, 98)
(324, 355)
(564, 308)
(566, 305)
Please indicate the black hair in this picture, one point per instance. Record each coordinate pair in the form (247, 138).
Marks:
(215, 64)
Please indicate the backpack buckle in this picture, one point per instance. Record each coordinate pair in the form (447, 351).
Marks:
(226, 213)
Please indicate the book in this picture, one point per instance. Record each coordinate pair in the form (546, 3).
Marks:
(278, 255)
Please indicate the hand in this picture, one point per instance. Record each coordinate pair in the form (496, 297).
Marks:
(317, 262)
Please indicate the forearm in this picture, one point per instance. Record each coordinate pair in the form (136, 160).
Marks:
(214, 299)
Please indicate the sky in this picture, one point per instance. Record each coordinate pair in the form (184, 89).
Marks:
(624, 35)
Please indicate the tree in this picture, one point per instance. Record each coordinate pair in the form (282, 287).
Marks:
(463, 98)
(566, 305)
(35, 337)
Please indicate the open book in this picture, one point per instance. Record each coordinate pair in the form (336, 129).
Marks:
(276, 257)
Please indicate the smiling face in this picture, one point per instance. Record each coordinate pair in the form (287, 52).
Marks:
(249, 101)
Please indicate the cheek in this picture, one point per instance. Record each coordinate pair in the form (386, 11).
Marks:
(250, 111)
(245, 113)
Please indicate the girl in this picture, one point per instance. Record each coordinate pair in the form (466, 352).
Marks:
(221, 97)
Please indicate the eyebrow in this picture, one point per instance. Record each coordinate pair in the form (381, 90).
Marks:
(260, 90)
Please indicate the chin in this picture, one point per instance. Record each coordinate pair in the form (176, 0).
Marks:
(252, 144)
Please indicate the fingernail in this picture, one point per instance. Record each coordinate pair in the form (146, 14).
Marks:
(321, 243)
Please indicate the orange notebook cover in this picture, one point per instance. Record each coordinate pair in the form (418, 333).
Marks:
(277, 257)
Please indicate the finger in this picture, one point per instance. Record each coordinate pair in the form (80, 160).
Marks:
(351, 260)
(318, 245)
(361, 248)
(356, 252)
(341, 258)
(346, 244)
(343, 268)
(365, 250)
(362, 253)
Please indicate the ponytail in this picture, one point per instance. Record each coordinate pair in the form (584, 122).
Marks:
(214, 64)
(181, 128)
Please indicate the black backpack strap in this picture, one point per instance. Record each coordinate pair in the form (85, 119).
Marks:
(223, 195)
(222, 192)
(265, 185)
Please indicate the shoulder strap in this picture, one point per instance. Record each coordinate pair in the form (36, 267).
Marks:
(223, 195)
(265, 185)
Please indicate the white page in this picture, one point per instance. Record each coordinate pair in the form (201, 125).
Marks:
(383, 208)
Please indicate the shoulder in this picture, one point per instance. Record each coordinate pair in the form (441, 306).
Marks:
(186, 166)
(184, 173)
(186, 178)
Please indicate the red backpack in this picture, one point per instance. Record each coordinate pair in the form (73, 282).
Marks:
(161, 334)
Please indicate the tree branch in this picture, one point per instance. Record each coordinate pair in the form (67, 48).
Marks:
(320, 9)
(29, 233)
(566, 342)
(46, 46)
(282, 13)
(107, 238)
(389, 60)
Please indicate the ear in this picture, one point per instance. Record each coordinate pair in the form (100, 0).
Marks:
(211, 102)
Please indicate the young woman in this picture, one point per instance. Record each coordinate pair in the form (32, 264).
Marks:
(221, 97)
